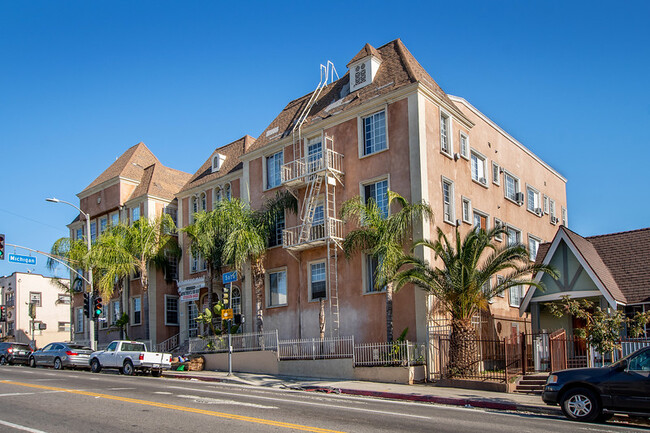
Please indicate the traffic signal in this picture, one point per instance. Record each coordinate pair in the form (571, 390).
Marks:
(3, 313)
(87, 305)
(2, 247)
(98, 307)
(226, 297)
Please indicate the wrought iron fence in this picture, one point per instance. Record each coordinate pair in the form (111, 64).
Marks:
(314, 348)
(240, 342)
(402, 353)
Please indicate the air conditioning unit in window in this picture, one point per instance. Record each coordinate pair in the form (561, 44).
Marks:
(554, 220)
(482, 180)
(519, 198)
(539, 211)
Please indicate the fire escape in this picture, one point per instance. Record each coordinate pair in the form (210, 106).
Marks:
(317, 170)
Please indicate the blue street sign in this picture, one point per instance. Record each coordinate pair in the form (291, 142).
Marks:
(229, 277)
(25, 260)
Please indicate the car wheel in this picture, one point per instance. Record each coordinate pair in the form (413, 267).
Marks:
(95, 366)
(32, 362)
(156, 373)
(58, 365)
(580, 404)
(127, 369)
(3, 360)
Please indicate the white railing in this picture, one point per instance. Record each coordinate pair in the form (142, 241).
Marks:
(395, 353)
(315, 348)
(240, 342)
(168, 345)
(308, 165)
(306, 233)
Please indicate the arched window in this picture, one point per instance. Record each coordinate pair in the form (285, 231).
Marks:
(217, 195)
(194, 207)
(235, 300)
(204, 204)
(227, 194)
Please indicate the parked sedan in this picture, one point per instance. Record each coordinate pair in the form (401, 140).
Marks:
(14, 353)
(595, 394)
(60, 355)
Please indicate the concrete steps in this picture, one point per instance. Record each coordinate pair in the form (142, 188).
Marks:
(532, 383)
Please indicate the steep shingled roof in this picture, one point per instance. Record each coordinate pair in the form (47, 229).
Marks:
(398, 69)
(621, 261)
(232, 151)
(160, 181)
(130, 164)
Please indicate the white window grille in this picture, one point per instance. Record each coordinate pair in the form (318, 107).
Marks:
(374, 133)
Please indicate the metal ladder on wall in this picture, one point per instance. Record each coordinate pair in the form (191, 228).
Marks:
(309, 207)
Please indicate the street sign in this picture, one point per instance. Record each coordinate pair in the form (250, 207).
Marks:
(229, 277)
(25, 260)
(226, 313)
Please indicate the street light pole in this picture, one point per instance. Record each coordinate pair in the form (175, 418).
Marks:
(91, 327)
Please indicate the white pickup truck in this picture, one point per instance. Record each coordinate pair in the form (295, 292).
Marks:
(129, 356)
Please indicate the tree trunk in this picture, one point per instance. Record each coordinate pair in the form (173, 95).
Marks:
(258, 281)
(321, 319)
(144, 282)
(463, 349)
(389, 312)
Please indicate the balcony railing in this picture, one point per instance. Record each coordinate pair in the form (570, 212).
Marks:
(299, 169)
(315, 233)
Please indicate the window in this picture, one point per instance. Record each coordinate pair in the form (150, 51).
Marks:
(317, 230)
(478, 168)
(103, 223)
(374, 133)
(203, 202)
(136, 311)
(218, 196)
(275, 238)
(103, 319)
(64, 327)
(171, 310)
(565, 221)
(171, 270)
(640, 362)
(498, 224)
(115, 219)
(63, 298)
(377, 191)
(480, 220)
(314, 155)
(318, 280)
(464, 145)
(192, 324)
(545, 204)
(135, 214)
(372, 263)
(227, 192)
(80, 234)
(514, 236)
(173, 214)
(35, 298)
(445, 142)
(115, 312)
(551, 208)
(93, 231)
(500, 280)
(496, 173)
(467, 210)
(197, 263)
(217, 162)
(487, 288)
(9, 299)
(532, 196)
(516, 295)
(273, 169)
(235, 300)
(79, 320)
(533, 247)
(277, 284)
(448, 201)
(512, 186)
(111, 347)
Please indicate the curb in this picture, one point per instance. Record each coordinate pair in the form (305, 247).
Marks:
(397, 396)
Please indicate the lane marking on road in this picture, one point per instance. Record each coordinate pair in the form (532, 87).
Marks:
(120, 389)
(162, 392)
(208, 400)
(179, 408)
(10, 394)
(20, 427)
(311, 403)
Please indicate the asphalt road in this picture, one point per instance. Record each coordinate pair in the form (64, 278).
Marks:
(43, 400)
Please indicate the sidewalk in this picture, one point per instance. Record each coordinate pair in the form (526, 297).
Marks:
(418, 392)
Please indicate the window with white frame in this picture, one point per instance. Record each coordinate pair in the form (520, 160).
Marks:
(487, 288)
(235, 300)
(565, 221)
(448, 201)
(374, 133)
(545, 202)
(35, 298)
(317, 230)
(533, 246)
(371, 264)
(217, 196)
(516, 295)
(227, 194)
(551, 210)
(274, 169)
(511, 186)
(136, 310)
(500, 280)
(277, 288)
(513, 236)
(103, 223)
(171, 310)
(314, 154)
(497, 225)
(135, 214)
(115, 218)
(63, 298)
(197, 263)
(480, 220)
(80, 234)
(464, 145)
(93, 231)
(79, 320)
(445, 129)
(478, 168)
(532, 199)
(116, 314)
(496, 173)
(317, 281)
(64, 327)
(467, 210)
(203, 203)
(103, 319)
(377, 191)
(275, 235)
(192, 324)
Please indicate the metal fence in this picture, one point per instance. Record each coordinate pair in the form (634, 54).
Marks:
(240, 342)
(327, 348)
(403, 353)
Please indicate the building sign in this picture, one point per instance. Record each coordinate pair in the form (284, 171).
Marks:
(189, 294)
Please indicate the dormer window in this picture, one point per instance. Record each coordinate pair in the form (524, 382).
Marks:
(359, 74)
(217, 162)
(363, 67)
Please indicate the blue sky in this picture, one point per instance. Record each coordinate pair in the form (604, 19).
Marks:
(81, 81)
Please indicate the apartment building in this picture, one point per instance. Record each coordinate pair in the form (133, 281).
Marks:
(387, 125)
(51, 302)
(137, 185)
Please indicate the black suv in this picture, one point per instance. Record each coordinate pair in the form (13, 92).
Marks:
(14, 353)
(595, 394)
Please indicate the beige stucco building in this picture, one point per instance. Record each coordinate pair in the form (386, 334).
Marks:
(52, 308)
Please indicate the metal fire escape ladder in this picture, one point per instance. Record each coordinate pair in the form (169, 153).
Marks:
(308, 208)
(332, 256)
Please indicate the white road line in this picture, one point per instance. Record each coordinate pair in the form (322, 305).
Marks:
(208, 400)
(120, 389)
(162, 392)
(9, 394)
(20, 427)
(313, 404)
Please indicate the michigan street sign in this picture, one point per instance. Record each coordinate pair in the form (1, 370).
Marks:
(25, 260)
(229, 277)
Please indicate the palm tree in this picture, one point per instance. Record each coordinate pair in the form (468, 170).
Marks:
(248, 236)
(382, 237)
(462, 285)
